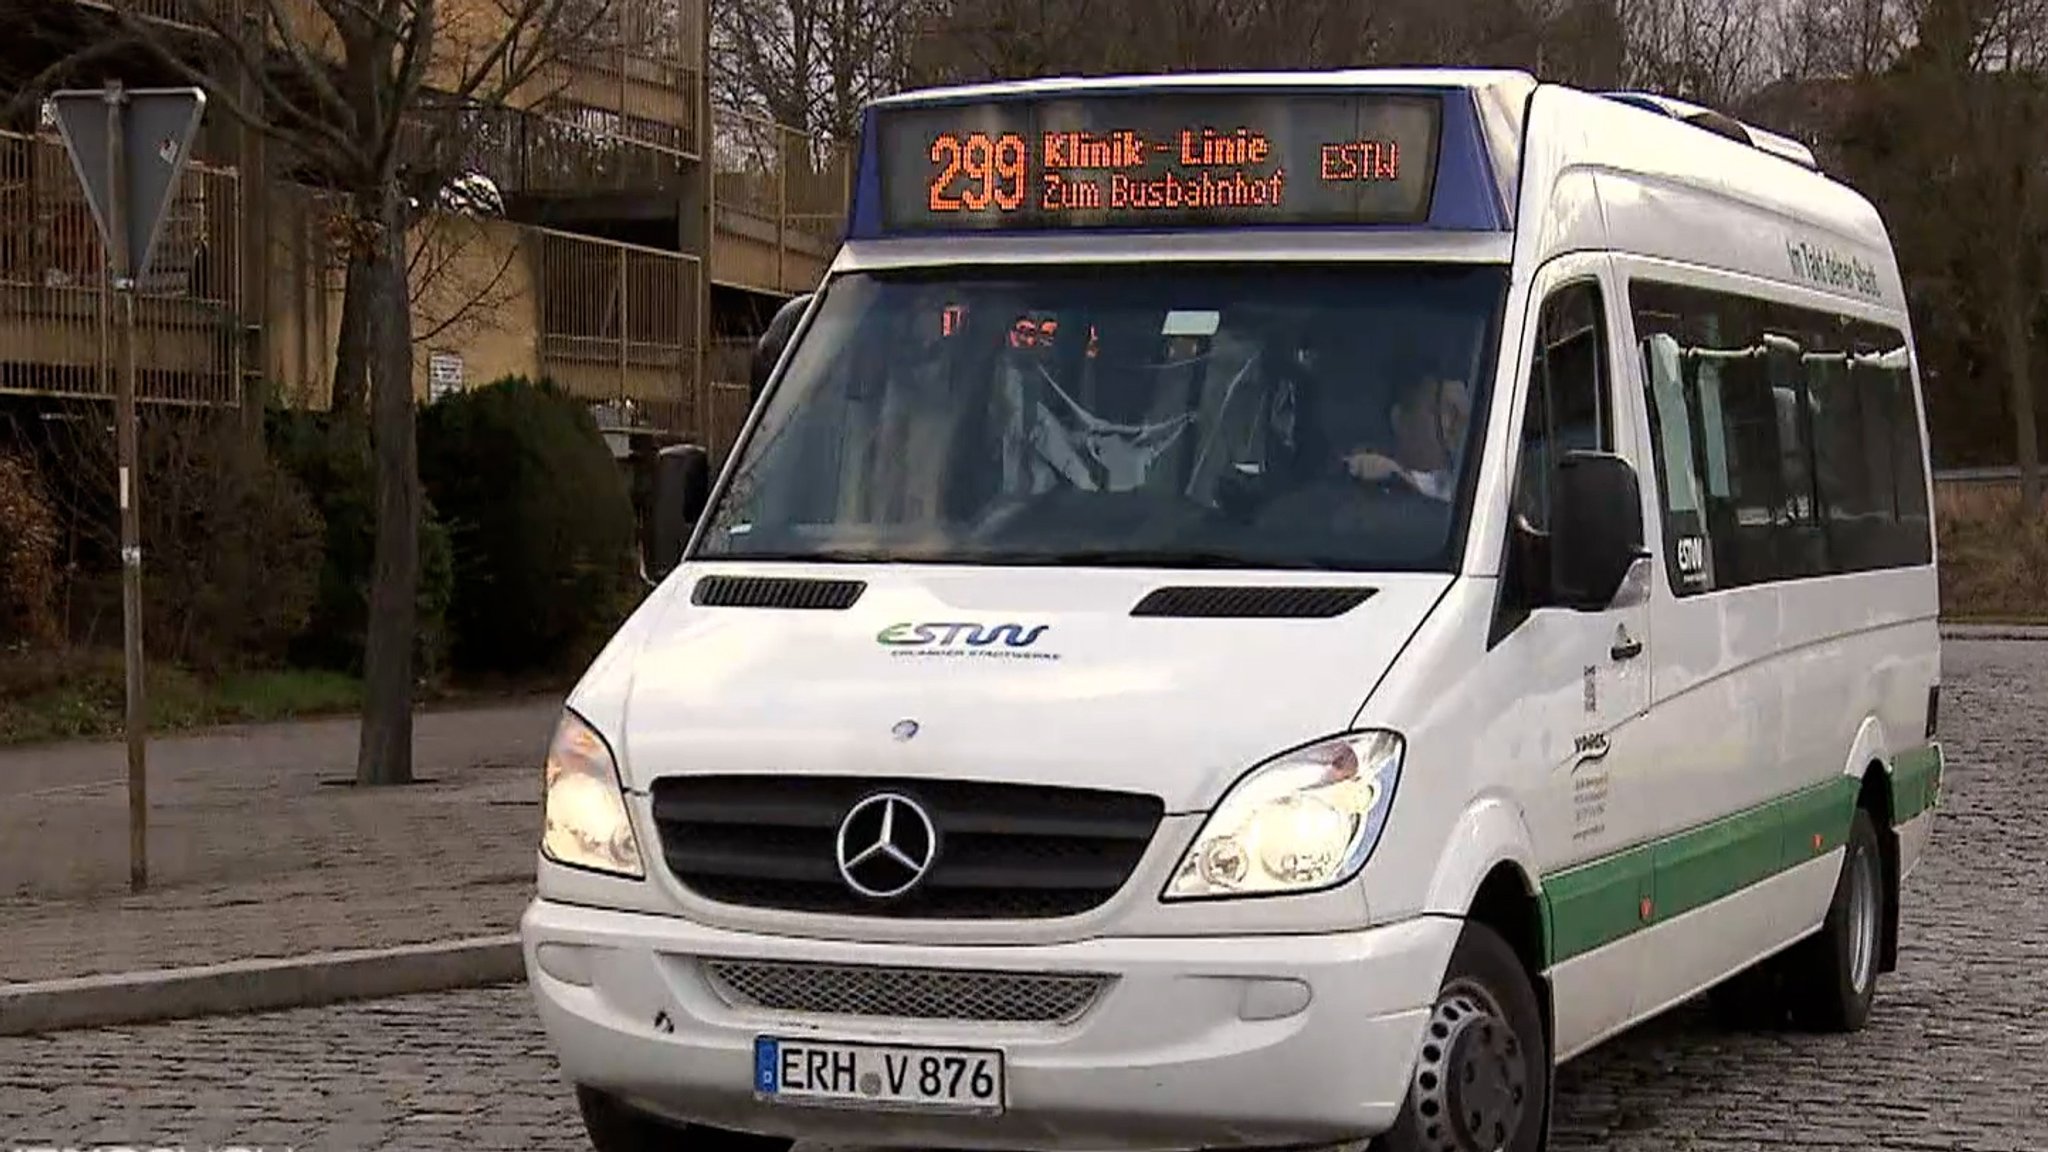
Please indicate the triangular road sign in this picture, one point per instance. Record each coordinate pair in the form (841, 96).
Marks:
(157, 126)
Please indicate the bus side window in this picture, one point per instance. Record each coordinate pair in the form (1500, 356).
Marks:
(1568, 407)
(1688, 547)
(1787, 439)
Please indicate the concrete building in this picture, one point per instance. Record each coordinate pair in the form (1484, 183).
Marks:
(605, 227)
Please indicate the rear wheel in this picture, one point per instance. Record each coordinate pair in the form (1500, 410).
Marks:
(1482, 1081)
(1827, 981)
(1832, 976)
(616, 1127)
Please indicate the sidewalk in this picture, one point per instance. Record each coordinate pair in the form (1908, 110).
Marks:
(252, 856)
(2031, 632)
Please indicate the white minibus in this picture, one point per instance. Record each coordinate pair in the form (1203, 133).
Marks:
(1260, 611)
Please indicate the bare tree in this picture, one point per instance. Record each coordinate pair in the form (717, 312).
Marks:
(1581, 42)
(966, 40)
(810, 64)
(437, 238)
(1976, 82)
(1714, 52)
(371, 93)
(1851, 39)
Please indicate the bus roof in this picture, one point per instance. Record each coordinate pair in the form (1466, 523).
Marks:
(1051, 86)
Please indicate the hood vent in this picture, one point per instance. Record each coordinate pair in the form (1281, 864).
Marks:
(775, 592)
(1240, 602)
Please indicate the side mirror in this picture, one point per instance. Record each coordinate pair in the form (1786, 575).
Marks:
(768, 349)
(682, 484)
(1596, 530)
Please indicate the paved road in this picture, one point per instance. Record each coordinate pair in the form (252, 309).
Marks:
(1956, 1056)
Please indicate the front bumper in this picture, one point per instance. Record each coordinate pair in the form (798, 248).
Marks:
(1196, 1042)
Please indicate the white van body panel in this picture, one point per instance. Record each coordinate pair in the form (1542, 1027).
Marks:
(1599, 995)
(710, 692)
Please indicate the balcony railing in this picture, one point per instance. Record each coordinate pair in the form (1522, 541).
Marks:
(188, 307)
(781, 190)
(645, 62)
(189, 14)
(643, 59)
(618, 324)
(560, 149)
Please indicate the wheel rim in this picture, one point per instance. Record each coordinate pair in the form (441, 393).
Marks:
(1472, 1082)
(1864, 903)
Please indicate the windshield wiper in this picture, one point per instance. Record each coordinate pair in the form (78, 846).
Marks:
(1149, 558)
(810, 556)
(1076, 558)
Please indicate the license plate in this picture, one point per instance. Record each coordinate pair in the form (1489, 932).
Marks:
(878, 1076)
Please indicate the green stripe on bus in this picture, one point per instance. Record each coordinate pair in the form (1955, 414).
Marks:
(1916, 781)
(1597, 903)
(1817, 820)
(1698, 867)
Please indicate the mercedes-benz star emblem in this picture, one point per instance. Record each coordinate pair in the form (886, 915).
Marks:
(886, 845)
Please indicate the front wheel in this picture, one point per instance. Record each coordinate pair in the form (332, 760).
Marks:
(1482, 1080)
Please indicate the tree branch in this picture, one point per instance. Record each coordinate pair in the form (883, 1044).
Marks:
(312, 71)
(38, 87)
(477, 300)
(317, 132)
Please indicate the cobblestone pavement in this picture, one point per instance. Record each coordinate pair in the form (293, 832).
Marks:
(1956, 1056)
(254, 853)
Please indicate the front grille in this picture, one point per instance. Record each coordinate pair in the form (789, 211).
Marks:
(904, 993)
(1004, 851)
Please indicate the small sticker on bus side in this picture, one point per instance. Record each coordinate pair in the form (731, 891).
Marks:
(1692, 557)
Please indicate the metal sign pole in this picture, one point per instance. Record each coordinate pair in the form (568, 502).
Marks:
(130, 177)
(121, 270)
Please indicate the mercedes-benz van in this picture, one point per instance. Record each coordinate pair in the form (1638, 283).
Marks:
(1258, 611)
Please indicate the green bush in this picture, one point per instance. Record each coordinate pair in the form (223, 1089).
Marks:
(332, 459)
(541, 522)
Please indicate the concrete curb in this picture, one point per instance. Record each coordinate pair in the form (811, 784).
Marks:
(258, 985)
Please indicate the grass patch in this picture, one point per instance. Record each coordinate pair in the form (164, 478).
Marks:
(286, 694)
(83, 695)
(1994, 558)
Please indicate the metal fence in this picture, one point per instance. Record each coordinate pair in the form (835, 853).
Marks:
(560, 148)
(772, 171)
(188, 309)
(182, 13)
(618, 325)
(729, 385)
(645, 61)
(780, 192)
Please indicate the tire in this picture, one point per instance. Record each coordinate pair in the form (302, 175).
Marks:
(1485, 1057)
(616, 1127)
(1832, 975)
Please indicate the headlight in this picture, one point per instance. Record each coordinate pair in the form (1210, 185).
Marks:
(585, 812)
(1303, 821)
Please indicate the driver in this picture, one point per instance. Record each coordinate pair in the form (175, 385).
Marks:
(1429, 417)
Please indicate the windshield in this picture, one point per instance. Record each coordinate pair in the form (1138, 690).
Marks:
(1179, 416)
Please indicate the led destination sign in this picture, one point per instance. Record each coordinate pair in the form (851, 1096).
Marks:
(1160, 160)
